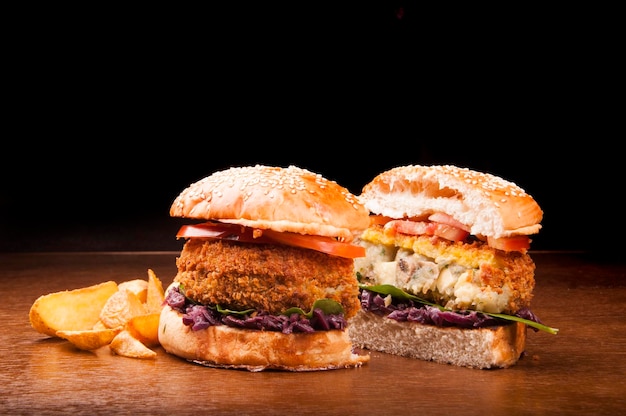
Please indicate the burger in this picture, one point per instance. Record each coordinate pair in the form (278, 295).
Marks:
(447, 276)
(265, 279)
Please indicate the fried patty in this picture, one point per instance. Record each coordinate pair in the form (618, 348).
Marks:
(456, 275)
(268, 277)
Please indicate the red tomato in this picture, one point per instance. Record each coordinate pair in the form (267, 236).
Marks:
(516, 243)
(220, 230)
(326, 245)
(237, 232)
(379, 220)
(450, 232)
(447, 219)
(444, 226)
(411, 227)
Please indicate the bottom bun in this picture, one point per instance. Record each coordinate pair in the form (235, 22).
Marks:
(493, 347)
(226, 347)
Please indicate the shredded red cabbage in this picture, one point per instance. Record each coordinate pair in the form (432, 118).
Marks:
(408, 310)
(200, 317)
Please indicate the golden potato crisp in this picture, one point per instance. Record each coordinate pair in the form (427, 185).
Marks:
(70, 310)
(155, 293)
(120, 307)
(145, 328)
(90, 339)
(126, 345)
(137, 286)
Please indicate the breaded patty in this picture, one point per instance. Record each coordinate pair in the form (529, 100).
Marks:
(267, 277)
(456, 275)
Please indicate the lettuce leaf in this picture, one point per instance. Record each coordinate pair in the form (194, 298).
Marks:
(232, 312)
(328, 306)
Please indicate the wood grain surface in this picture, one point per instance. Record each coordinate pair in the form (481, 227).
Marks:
(582, 370)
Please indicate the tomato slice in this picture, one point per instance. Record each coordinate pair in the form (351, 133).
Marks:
(450, 232)
(326, 245)
(411, 227)
(219, 230)
(244, 234)
(442, 218)
(379, 220)
(516, 243)
(444, 226)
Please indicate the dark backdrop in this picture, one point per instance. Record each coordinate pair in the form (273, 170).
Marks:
(112, 115)
(117, 197)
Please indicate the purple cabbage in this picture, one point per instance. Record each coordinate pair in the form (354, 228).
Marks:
(199, 317)
(408, 310)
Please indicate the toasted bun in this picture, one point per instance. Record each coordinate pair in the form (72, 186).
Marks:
(488, 204)
(282, 199)
(254, 350)
(483, 348)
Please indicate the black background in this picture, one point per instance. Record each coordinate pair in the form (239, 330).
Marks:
(112, 115)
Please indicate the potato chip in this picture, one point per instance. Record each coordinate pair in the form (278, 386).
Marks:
(99, 325)
(90, 339)
(145, 328)
(155, 293)
(124, 316)
(126, 345)
(137, 286)
(120, 308)
(70, 310)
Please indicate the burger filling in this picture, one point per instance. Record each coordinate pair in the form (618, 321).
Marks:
(454, 274)
(265, 286)
(433, 280)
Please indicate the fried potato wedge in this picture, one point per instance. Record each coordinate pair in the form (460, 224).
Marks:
(145, 328)
(99, 325)
(155, 293)
(70, 310)
(124, 316)
(120, 308)
(137, 286)
(90, 339)
(126, 345)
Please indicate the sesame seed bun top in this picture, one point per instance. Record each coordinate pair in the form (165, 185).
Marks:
(283, 199)
(490, 205)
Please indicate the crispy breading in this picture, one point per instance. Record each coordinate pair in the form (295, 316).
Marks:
(264, 276)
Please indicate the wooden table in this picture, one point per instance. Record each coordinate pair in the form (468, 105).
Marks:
(582, 370)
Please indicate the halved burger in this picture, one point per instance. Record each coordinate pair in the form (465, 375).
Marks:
(447, 276)
(266, 277)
